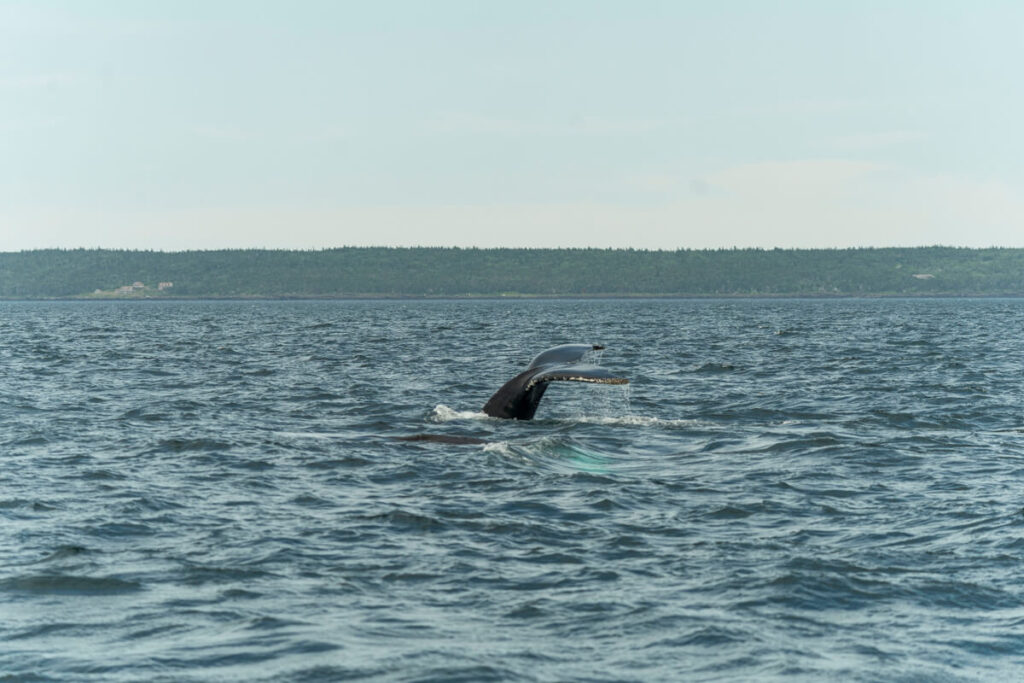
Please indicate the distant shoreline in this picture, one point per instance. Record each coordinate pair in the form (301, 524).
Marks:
(525, 297)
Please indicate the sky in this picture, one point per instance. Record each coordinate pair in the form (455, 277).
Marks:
(652, 125)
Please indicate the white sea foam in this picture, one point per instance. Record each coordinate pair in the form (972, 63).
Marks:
(499, 447)
(633, 421)
(443, 413)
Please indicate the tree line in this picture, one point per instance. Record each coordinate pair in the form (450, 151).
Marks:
(440, 272)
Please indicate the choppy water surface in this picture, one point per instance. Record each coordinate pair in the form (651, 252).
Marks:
(788, 490)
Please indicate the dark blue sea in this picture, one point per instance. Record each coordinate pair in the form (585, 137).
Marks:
(797, 490)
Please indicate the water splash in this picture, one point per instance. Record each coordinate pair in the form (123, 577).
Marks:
(443, 413)
(636, 421)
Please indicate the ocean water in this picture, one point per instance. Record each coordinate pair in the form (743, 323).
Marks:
(787, 490)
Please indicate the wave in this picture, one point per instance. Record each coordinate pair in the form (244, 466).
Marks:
(555, 453)
(313, 435)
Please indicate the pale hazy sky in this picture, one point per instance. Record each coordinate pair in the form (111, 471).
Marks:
(208, 124)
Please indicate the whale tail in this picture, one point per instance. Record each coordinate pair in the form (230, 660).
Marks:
(519, 397)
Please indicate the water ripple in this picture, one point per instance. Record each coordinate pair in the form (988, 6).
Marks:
(309, 491)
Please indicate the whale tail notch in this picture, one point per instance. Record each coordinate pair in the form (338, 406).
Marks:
(519, 397)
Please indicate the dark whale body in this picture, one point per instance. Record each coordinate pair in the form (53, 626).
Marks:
(519, 397)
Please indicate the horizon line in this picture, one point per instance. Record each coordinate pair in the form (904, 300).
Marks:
(476, 248)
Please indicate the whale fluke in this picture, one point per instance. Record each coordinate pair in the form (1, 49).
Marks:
(519, 397)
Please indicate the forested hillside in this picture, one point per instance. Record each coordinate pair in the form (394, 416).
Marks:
(374, 271)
